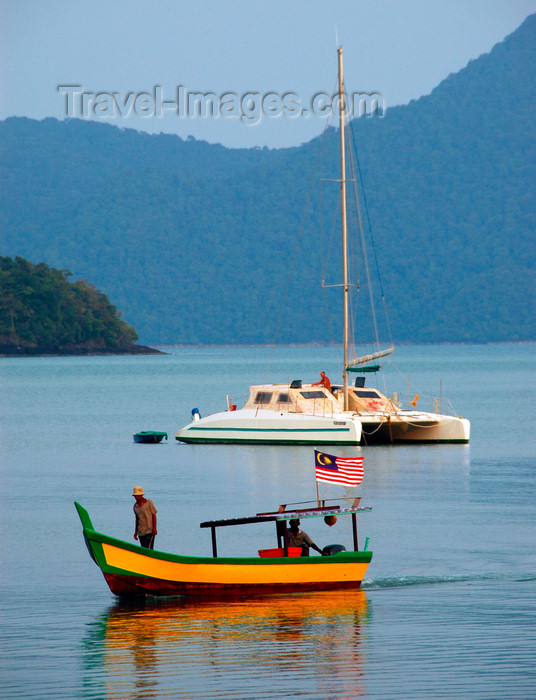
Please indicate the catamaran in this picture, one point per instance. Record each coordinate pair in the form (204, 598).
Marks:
(311, 414)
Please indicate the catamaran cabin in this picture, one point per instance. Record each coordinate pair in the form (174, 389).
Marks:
(315, 400)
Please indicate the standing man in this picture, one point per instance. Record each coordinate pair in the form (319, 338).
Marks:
(145, 513)
(324, 381)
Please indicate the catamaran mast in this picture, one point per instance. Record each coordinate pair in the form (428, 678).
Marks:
(342, 111)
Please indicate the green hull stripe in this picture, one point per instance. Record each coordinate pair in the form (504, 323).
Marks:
(401, 441)
(266, 441)
(274, 430)
(97, 539)
(341, 441)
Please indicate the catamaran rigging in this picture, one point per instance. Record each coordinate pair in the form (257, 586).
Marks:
(303, 413)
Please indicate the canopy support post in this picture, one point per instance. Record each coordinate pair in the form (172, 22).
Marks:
(214, 548)
(354, 531)
(280, 528)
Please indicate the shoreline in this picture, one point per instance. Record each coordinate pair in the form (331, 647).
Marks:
(19, 351)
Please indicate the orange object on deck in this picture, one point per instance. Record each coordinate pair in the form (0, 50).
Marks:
(280, 552)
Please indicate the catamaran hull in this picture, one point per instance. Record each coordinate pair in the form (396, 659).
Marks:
(410, 430)
(272, 428)
(279, 428)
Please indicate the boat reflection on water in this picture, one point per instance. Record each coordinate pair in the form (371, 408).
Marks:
(311, 643)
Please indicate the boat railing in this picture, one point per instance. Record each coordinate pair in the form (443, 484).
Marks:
(437, 406)
(322, 408)
(323, 412)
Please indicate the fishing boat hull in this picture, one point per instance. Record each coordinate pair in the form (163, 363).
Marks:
(131, 570)
(272, 428)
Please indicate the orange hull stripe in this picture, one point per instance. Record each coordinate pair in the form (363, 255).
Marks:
(319, 572)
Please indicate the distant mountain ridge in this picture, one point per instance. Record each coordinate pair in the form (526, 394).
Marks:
(194, 242)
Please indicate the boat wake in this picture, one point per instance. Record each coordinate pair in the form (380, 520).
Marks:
(402, 581)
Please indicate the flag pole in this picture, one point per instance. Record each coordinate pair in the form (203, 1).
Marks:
(316, 481)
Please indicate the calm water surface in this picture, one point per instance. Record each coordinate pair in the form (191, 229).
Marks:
(448, 605)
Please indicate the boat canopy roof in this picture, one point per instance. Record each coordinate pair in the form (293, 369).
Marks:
(283, 515)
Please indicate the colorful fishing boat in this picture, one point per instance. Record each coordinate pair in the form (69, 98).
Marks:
(149, 436)
(131, 570)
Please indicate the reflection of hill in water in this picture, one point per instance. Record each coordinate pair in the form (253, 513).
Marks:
(190, 649)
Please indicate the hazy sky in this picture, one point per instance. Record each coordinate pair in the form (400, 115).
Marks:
(131, 56)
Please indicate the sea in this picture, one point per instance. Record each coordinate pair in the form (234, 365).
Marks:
(448, 605)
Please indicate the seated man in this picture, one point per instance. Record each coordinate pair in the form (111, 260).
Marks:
(297, 538)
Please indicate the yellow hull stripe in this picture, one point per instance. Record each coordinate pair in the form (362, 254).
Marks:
(139, 565)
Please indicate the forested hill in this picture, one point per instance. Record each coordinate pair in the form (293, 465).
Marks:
(195, 242)
(41, 312)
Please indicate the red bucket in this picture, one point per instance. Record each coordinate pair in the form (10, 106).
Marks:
(280, 552)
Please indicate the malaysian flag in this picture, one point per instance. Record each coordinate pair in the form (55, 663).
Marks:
(338, 470)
